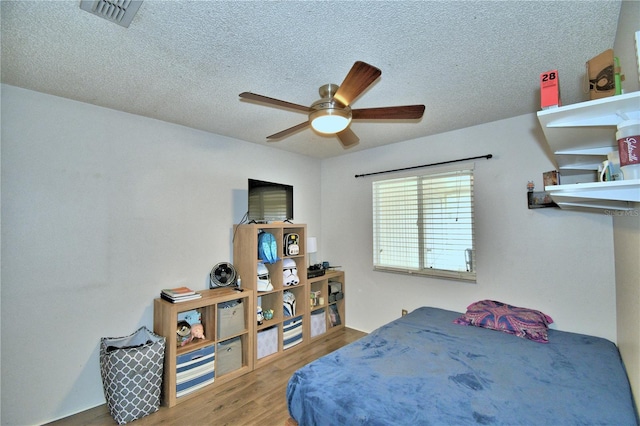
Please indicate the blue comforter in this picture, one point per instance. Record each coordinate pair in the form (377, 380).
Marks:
(422, 369)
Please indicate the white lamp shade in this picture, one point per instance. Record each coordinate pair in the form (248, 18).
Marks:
(326, 116)
(312, 245)
(330, 123)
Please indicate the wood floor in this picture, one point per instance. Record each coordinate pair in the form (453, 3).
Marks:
(257, 398)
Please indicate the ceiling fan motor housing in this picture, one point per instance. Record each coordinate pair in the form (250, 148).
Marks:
(328, 90)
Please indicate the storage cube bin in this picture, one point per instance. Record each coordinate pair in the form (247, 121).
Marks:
(231, 319)
(194, 370)
(318, 322)
(292, 332)
(267, 342)
(229, 356)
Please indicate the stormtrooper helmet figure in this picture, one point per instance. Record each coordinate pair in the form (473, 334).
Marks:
(289, 303)
(264, 281)
(290, 272)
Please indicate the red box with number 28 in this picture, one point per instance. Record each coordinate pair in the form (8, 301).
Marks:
(550, 90)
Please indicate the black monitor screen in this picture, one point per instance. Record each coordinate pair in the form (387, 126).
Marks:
(270, 201)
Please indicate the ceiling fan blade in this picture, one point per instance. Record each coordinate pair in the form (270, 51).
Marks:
(348, 138)
(359, 78)
(272, 101)
(289, 131)
(404, 112)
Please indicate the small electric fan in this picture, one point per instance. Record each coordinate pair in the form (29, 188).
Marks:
(223, 275)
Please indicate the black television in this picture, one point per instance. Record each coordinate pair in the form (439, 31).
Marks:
(269, 202)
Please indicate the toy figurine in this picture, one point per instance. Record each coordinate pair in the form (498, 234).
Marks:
(189, 327)
(197, 331)
(183, 332)
(260, 315)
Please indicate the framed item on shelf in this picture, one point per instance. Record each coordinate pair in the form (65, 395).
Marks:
(540, 199)
(551, 178)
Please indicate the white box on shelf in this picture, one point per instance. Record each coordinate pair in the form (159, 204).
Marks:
(267, 343)
(318, 322)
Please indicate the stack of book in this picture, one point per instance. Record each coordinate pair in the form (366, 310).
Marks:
(179, 294)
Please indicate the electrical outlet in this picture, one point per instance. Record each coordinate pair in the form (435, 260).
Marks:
(404, 312)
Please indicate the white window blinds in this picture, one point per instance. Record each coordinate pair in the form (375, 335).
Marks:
(424, 225)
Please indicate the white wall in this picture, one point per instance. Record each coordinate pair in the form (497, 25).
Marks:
(557, 261)
(627, 254)
(625, 44)
(100, 211)
(626, 226)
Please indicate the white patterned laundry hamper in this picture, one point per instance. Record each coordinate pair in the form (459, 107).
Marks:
(131, 368)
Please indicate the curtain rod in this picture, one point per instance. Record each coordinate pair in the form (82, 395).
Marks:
(488, 156)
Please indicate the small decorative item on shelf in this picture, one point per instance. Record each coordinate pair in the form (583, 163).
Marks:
(530, 186)
(289, 303)
(550, 90)
(628, 137)
(619, 77)
(183, 332)
(197, 331)
(539, 199)
(315, 298)
(189, 327)
(610, 169)
(601, 75)
(264, 280)
(290, 272)
(260, 315)
(551, 178)
(291, 246)
(268, 314)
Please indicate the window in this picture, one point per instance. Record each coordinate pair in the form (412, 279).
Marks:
(424, 225)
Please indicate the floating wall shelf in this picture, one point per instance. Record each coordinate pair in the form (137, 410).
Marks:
(580, 136)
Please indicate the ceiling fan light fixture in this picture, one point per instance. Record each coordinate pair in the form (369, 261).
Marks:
(326, 122)
(325, 115)
(332, 113)
(326, 118)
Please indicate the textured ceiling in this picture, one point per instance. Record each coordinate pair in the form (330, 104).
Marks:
(186, 61)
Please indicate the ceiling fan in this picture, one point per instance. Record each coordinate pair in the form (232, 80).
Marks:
(332, 114)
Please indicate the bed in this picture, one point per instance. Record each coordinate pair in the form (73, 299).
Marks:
(424, 369)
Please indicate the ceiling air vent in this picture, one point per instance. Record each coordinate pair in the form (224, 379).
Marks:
(120, 12)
